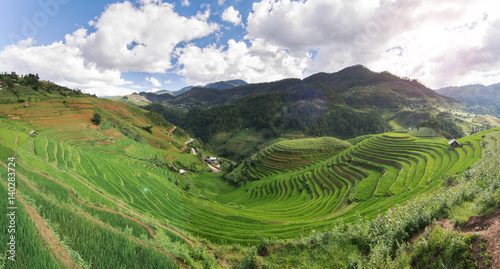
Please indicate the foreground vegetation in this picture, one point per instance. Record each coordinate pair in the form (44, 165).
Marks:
(383, 242)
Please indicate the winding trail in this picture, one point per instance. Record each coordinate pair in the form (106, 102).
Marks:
(56, 248)
(185, 144)
(170, 132)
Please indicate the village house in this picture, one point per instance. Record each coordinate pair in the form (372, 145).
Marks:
(33, 132)
(182, 172)
(212, 160)
(454, 143)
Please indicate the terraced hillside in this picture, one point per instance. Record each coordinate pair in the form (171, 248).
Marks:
(287, 156)
(88, 186)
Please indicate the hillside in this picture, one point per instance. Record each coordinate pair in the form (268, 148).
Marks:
(15, 88)
(146, 98)
(477, 95)
(354, 101)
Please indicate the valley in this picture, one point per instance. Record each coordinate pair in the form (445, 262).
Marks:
(94, 168)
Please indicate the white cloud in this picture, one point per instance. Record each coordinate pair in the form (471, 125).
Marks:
(439, 42)
(168, 81)
(221, 2)
(139, 38)
(154, 81)
(232, 15)
(185, 3)
(258, 62)
(63, 64)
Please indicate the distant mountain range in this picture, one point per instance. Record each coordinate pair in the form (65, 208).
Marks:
(478, 95)
(356, 86)
(221, 85)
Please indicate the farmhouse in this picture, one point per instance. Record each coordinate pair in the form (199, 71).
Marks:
(33, 132)
(454, 143)
(211, 160)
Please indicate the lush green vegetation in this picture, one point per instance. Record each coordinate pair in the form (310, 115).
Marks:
(382, 242)
(274, 114)
(114, 191)
(441, 123)
(29, 87)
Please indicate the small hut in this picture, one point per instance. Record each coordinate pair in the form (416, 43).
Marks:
(182, 172)
(33, 132)
(454, 143)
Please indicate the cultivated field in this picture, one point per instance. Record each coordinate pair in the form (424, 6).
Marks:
(106, 188)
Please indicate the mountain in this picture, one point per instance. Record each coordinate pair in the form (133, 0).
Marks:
(357, 86)
(226, 85)
(477, 95)
(221, 85)
(181, 91)
(354, 101)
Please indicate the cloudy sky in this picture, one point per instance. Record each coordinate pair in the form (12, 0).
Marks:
(118, 47)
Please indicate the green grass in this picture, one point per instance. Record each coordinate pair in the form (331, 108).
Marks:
(304, 184)
(31, 252)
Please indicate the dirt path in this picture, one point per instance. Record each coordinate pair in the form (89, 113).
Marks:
(56, 248)
(185, 144)
(170, 132)
(215, 170)
(488, 227)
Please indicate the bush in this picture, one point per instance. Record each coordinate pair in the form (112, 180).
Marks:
(96, 119)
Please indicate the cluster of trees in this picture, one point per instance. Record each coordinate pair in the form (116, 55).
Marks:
(33, 81)
(273, 113)
(443, 124)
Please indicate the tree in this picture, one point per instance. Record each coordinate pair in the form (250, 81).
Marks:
(96, 119)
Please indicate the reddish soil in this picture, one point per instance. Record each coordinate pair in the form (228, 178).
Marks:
(57, 250)
(487, 227)
(55, 246)
(170, 132)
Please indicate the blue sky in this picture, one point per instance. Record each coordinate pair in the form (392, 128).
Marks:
(118, 47)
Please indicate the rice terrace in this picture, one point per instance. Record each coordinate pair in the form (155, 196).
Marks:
(109, 194)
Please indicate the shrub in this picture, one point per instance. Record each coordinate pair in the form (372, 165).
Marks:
(96, 119)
